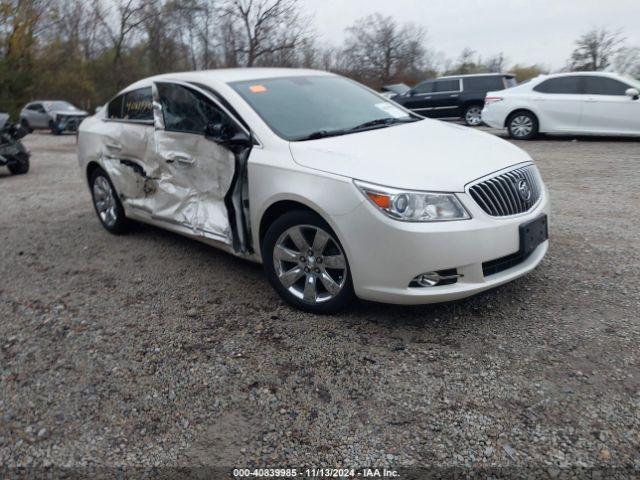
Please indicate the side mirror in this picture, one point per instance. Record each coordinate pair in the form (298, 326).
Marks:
(228, 135)
(633, 93)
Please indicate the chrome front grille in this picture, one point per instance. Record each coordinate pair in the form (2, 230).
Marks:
(510, 193)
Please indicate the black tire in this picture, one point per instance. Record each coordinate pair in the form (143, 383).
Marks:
(21, 166)
(54, 129)
(471, 109)
(520, 119)
(121, 223)
(25, 124)
(309, 221)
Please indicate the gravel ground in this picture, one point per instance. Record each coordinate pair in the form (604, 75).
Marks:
(152, 349)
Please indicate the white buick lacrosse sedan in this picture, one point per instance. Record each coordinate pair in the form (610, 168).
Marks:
(336, 190)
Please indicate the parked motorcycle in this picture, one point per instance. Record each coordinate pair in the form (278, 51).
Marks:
(13, 153)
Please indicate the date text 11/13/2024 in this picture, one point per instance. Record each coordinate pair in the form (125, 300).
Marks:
(314, 473)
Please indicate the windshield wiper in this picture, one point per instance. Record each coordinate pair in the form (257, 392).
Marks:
(381, 122)
(323, 134)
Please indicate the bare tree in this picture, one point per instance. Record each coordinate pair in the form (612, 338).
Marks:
(264, 27)
(595, 50)
(378, 47)
(628, 61)
(127, 17)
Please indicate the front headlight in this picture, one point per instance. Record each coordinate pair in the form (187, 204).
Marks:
(412, 206)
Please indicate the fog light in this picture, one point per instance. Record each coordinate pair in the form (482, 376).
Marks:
(429, 279)
(433, 279)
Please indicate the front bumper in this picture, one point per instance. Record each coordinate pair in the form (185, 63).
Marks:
(67, 123)
(385, 254)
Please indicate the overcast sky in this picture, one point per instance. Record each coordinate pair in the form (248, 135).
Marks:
(526, 31)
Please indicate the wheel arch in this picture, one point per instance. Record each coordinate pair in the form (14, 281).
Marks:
(522, 110)
(279, 208)
(92, 167)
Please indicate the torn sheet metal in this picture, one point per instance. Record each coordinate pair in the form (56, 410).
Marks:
(195, 175)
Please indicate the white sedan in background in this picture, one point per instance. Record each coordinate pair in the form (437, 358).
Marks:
(587, 103)
(337, 191)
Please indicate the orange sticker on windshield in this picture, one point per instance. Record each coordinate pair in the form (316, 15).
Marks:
(258, 88)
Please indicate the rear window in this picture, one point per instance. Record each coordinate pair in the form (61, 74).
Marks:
(446, 86)
(484, 84)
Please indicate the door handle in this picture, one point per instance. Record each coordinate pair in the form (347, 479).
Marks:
(182, 158)
(113, 146)
(454, 95)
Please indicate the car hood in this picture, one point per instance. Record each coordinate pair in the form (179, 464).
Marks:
(70, 113)
(425, 155)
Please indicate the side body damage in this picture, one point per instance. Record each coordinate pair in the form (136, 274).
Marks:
(171, 173)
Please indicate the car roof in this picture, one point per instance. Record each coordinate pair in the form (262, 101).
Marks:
(212, 78)
(466, 75)
(591, 74)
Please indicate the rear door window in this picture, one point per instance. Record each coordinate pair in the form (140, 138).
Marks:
(441, 86)
(138, 105)
(567, 85)
(604, 86)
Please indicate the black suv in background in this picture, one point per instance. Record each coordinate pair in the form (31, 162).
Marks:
(460, 96)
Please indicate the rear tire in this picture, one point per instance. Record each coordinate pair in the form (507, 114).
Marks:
(306, 264)
(522, 125)
(21, 166)
(107, 204)
(473, 115)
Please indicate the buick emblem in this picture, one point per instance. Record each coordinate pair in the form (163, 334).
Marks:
(524, 190)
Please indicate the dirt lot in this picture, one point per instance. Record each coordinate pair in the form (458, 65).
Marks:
(151, 349)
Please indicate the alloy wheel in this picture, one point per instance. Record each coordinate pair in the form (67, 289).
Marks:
(473, 116)
(521, 126)
(310, 264)
(105, 202)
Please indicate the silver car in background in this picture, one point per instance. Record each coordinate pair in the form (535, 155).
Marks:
(56, 115)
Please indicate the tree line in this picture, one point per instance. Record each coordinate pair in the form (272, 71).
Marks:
(85, 51)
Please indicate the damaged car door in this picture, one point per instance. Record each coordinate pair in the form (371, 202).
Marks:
(126, 136)
(195, 172)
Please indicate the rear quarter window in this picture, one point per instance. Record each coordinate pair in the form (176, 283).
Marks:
(115, 107)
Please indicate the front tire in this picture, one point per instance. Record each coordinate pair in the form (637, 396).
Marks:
(54, 128)
(107, 204)
(473, 115)
(522, 125)
(21, 166)
(306, 264)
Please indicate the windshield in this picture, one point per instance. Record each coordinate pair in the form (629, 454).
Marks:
(59, 106)
(307, 107)
(633, 81)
